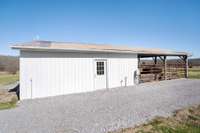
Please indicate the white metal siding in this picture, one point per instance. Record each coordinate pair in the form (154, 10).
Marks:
(54, 75)
(51, 73)
(121, 67)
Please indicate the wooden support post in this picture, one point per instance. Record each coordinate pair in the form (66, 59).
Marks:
(138, 61)
(185, 59)
(139, 64)
(165, 67)
(186, 66)
(155, 60)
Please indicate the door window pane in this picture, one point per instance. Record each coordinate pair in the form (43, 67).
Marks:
(100, 68)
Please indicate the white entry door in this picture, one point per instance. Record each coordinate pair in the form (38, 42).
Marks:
(100, 74)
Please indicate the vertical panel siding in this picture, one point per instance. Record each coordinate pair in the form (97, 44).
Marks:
(54, 75)
(64, 73)
(121, 67)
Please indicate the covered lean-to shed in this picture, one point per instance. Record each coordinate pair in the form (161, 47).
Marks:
(56, 68)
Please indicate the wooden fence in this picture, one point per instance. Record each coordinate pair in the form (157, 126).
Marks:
(156, 72)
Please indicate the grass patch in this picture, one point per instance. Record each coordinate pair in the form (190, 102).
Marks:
(183, 121)
(194, 73)
(6, 79)
(9, 105)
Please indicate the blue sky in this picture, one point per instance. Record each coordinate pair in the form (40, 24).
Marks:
(167, 24)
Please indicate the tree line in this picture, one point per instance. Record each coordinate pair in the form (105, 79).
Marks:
(9, 64)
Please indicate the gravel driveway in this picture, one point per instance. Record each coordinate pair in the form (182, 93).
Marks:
(100, 111)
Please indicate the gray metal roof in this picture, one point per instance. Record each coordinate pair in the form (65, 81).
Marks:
(85, 47)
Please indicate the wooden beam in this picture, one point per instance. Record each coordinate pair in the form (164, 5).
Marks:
(139, 75)
(165, 67)
(182, 57)
(155, 60)
(161, 58)
(186, 66)
(139, 61)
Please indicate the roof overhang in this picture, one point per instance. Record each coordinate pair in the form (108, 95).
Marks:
(33, 46)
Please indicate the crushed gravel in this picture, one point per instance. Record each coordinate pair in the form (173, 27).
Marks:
(100, 111)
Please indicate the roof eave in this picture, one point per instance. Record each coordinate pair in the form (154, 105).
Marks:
(70, 50)
(99, 51)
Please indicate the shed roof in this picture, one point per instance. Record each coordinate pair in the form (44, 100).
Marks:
(86, 47)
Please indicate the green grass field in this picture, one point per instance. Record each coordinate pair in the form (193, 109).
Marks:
(194, 73)
(8, 105)
(6, 78)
